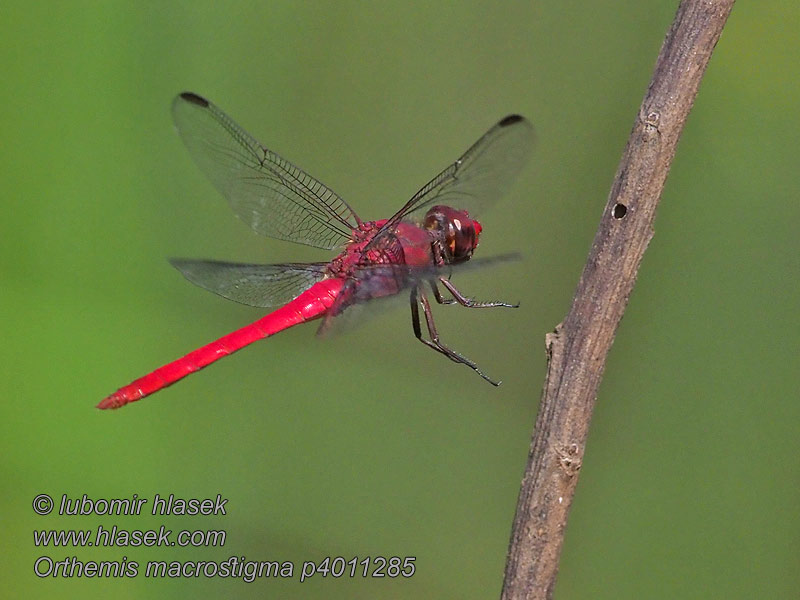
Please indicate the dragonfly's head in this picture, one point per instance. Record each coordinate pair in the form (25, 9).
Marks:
(459, 232)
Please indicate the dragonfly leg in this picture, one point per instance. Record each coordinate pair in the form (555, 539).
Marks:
(438, 295)
(462, 299)
(418, 298)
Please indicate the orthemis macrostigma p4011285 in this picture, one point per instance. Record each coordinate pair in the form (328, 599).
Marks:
(413, 249)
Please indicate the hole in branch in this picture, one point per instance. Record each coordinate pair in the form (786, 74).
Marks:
(619, 211)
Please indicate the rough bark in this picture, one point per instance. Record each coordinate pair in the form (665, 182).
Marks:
(578, 347)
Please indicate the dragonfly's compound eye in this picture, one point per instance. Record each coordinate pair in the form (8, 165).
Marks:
(459, 231)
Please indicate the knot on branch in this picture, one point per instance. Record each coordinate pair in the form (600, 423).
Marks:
(569, 459)
(651, 121)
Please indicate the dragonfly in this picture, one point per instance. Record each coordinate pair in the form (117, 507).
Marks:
(413, 249)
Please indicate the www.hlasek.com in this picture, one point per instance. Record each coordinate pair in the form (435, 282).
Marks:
(235, 567)
(114, 536)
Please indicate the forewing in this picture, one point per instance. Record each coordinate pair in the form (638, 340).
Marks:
(274, 197)
(254, 285)
(482, 175)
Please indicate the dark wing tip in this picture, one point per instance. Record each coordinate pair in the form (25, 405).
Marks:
(195, 99)
(510, 120)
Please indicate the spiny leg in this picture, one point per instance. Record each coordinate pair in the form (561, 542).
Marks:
(438, 295)
(461, 298)
(418, 297)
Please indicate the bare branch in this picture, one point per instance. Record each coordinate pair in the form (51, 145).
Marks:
(578, 347)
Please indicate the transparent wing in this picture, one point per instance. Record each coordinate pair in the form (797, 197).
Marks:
(254, 285)
(482, 175)
(270, 194)
(369, 280)
(372, 275)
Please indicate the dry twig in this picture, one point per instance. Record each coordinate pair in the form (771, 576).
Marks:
(578, 347)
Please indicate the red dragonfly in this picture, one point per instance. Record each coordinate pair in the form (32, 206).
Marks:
(380, 258)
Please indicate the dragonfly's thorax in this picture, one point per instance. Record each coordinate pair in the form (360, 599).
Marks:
(380, 264)
(360, 251)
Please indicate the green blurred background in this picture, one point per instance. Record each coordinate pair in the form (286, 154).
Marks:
(367, 444)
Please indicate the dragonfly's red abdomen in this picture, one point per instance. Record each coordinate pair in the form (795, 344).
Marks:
(311, 304)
